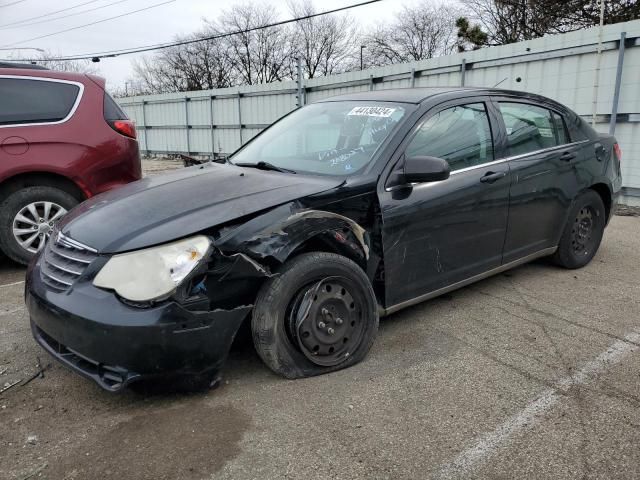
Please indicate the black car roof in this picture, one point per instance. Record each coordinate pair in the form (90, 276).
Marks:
(419, 95)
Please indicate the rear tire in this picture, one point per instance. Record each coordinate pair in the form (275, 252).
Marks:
(318, 315)
(583, 232)
(39, 208)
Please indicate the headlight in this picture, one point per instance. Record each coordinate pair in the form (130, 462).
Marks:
(152, 273)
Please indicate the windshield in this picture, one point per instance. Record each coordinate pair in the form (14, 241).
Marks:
(332, 138)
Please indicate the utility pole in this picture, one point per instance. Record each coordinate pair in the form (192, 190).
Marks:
(362, 47)
(596, 80)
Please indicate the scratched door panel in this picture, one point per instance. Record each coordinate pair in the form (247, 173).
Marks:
(439, 233)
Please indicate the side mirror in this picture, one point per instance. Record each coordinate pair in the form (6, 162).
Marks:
(425, 169)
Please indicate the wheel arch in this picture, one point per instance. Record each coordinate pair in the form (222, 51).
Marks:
(36, 179)
(606, 195)
(285, 232)
(333, 241)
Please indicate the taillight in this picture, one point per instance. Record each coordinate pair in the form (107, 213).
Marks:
(124, 127)
(618, 151)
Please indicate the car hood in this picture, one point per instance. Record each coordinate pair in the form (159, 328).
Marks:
(166, 207)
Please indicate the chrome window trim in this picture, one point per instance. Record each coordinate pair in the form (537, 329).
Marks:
(522, 155)
(51, 80)
(496, 162)
(466, 169)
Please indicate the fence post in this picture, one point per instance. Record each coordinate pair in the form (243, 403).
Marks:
(186, 123)
(370, 82)
(413, 77)
(463, 71)
(240, 117)
(300, 95)
(146, 130)
(616, 91)
(213, 143)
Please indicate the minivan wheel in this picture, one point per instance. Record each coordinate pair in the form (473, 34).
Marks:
(318, 315)
(27, 218)
(583, 232)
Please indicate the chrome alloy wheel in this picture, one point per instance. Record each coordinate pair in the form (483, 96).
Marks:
(34, 223)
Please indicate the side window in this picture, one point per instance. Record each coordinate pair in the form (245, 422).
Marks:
(35, 101)
(461, 135)
(531, 128)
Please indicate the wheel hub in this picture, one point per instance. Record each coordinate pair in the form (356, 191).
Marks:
(582, 231)
(326, 321)
(33, 224)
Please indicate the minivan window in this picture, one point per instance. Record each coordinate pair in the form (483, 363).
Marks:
(461, 135)
(531, 128)
(25, 101)
(112, 110)
(330, 138)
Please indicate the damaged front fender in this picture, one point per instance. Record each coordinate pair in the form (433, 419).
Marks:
(275, 235)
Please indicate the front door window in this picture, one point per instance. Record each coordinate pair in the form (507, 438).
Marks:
(461, 135)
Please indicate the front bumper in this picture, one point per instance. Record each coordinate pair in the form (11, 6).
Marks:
(92, 332)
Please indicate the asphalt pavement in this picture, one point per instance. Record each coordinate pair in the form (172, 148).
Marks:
(534, 373)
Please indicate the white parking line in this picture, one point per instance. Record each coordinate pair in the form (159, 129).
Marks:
(11, 284)
(488, 444)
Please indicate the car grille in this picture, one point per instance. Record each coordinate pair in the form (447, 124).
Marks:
(64, 260)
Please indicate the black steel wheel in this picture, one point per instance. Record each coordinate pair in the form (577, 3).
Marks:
(583, 232)
(318, 315)
(326, 321)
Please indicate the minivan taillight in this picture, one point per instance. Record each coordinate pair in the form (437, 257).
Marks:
(618, 151)
(124, 127)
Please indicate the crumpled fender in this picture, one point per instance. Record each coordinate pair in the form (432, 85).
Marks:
(279, 232)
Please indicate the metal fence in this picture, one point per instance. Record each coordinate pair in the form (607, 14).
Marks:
(566, 67)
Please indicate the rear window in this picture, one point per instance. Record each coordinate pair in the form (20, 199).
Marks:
(112, 110)
(531, 128)
(25, 101)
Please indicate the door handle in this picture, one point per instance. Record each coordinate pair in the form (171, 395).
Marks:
(567, 156)
(491, 177)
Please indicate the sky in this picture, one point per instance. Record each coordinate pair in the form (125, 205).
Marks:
(156, 25)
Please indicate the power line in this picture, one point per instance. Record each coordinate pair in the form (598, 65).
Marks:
(47, 14)
(148, 48)
(63, 16)
(12, 3)
(90, 24)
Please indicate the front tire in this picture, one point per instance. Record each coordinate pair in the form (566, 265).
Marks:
(583, 232)
(318, 315)
(27, 218)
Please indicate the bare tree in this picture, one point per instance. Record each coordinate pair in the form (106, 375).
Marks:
(48, 60)
(326, 44)
(195, 66)
(509, 21)
(423, 31)
(258, 56)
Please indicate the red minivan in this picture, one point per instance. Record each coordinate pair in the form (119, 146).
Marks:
(63, 139)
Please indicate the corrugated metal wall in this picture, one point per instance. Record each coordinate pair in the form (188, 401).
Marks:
(561, 67)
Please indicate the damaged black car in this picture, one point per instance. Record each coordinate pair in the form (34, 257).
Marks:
(341, 212)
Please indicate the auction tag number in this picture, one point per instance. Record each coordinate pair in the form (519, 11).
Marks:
(382, 112)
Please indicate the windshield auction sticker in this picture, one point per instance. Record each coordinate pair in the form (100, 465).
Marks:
(382, 112)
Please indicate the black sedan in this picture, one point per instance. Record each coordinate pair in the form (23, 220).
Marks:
(341, 212)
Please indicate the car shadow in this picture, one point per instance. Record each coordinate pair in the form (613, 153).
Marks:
(10, 271)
